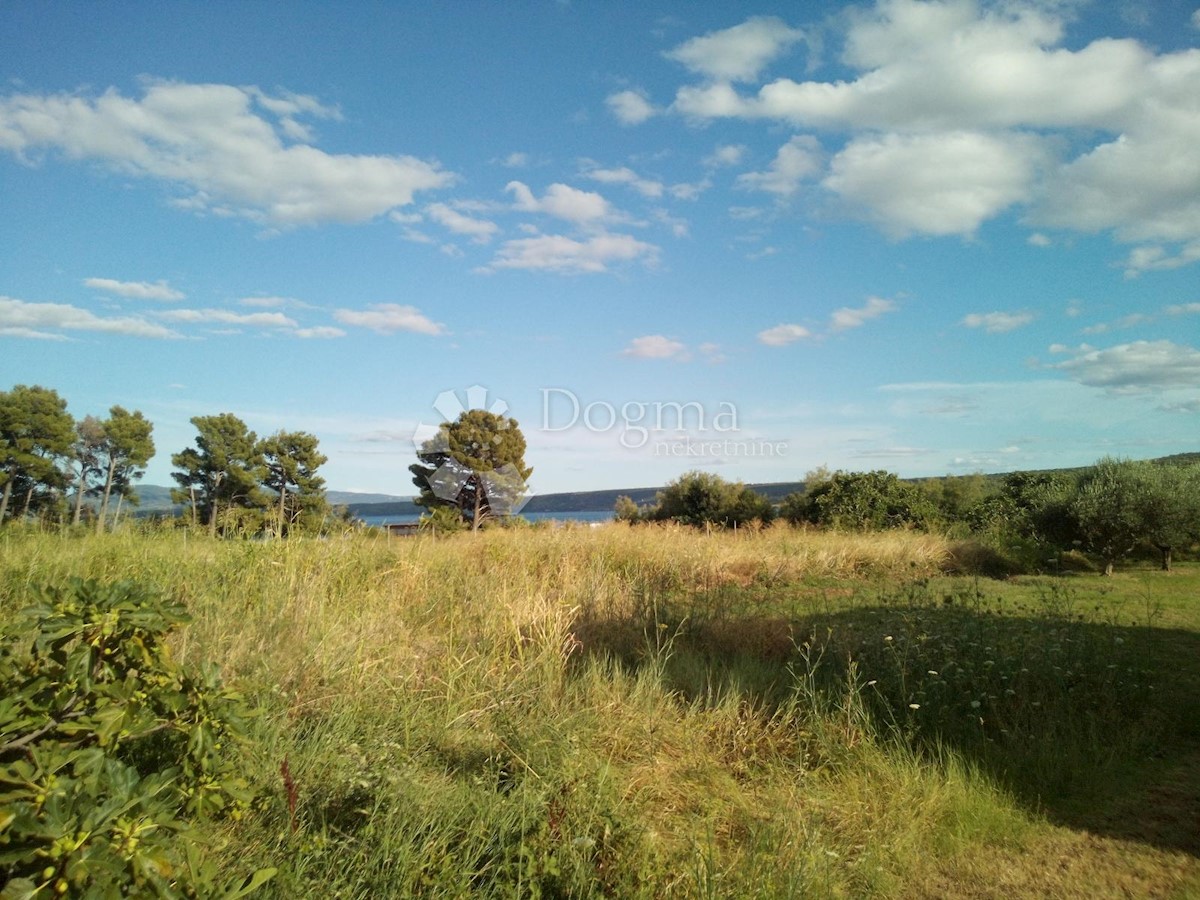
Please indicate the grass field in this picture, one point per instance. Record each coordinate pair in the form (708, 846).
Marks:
(661, 712)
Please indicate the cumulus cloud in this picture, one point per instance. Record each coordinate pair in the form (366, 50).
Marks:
(797, 160)
(656, 346)
(738, 53)
(850, 317)
(19, 318)
(388, 318)
(997, 322)
(1154, 257)
(478, 230)
(136, 290)
(231, 150)
(1133, 367)
(563, 202)
(645, 186)
(565, 255)
(782, 335)
(957, 111)
(940, 184)
(630, 107)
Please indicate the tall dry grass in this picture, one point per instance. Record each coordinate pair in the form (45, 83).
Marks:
(562, 712)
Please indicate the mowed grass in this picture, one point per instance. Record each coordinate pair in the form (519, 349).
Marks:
(661, 712)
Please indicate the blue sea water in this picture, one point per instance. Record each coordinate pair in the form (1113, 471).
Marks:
(578, 515)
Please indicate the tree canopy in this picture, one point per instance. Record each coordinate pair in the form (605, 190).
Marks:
(36, 435)
(475, 464)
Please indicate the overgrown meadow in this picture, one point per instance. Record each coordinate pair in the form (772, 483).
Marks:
(659, 711)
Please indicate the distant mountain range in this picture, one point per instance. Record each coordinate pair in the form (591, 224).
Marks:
(157, 498)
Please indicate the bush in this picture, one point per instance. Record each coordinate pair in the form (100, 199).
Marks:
(109, 750)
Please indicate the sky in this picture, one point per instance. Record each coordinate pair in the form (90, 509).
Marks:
(932, 237)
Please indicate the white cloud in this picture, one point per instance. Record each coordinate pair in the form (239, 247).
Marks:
(1183, 309)
(997, 322)
(1137, 366)
(1124, 322)
(271, 302)
(656, 346)
(940, 184)
(321, 331)
(19, 318)
(136, 290)
(849, 317)
(796, 161)
(562, 202)
(1154, 257)
(738, 53)
(631, 107)
(479, 230)
(219, 143)
(781, 335)
(1037, 239)
(227, 317)
(557, 253)
(1005, 113)
(725, 155)
(515, 160)
(624, 175)
(387, 318)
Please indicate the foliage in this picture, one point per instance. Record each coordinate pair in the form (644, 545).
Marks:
(702, 498)
(1171, 506)
(1108, 507)
(110, 749)
(861, 501)
(36, 432)
(291, 460)
(475, 464)
(442, 520)
(123, 452)
(626, 510)
(85, 452)
(221, 474)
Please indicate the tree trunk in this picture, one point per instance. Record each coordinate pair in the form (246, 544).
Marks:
(79, 494)
(28, 502)
(282, 507)
(108, 482)
(117, 514)
(212, 518)
(4, 499)
(1166, 558)
(1108, 568)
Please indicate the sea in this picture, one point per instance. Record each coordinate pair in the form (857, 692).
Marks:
(575, 515)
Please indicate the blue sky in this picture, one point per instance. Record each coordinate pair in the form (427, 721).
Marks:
(929, 237)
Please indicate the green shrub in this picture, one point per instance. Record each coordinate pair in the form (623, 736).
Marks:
(109, 750)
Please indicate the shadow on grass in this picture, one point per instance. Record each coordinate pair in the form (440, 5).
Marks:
(1083, 710)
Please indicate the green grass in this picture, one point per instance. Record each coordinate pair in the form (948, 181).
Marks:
(643, 712)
